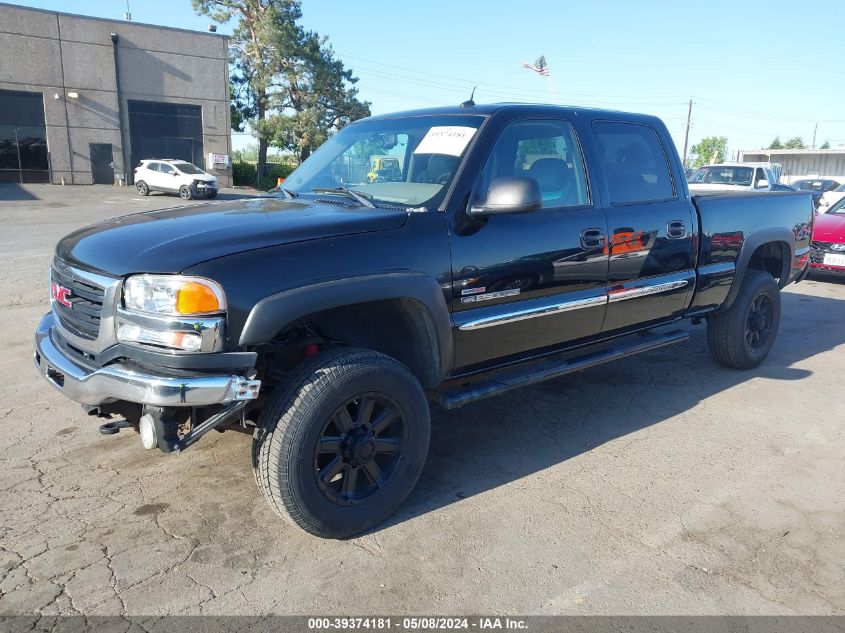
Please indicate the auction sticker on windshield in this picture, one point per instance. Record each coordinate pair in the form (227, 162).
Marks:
(446, 139)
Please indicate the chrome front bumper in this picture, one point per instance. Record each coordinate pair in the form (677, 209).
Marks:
(119, 382)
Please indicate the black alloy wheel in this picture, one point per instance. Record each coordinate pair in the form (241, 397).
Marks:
(758, 324)
(342, 441)
(359, 448)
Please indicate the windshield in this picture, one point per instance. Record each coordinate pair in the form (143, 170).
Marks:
(407, 161)
(810, 185)
(188, 168)
(837, 208)
(722, 175)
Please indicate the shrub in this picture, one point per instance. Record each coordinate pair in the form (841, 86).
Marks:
(274, 172)
(243, 174)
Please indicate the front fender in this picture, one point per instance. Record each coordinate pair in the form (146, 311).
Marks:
(273, 313)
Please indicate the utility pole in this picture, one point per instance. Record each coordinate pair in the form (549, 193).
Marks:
(686, 136)
(815, 129)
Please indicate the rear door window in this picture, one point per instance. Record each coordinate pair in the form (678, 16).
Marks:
(634, 163)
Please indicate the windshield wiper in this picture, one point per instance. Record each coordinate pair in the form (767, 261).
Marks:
(287, 193)
(362, 198)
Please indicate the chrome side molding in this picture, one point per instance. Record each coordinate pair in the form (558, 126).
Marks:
(530, 313)
(611, 296)
(642, 291)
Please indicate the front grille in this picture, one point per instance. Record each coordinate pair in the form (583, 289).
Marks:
(86, 305)
(817, 251)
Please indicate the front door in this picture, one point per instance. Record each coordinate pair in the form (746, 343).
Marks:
(102, 163)
(534, 280)
(651, 271)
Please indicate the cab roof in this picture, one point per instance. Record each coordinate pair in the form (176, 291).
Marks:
(516, 109)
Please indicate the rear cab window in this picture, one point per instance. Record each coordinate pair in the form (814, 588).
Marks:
(634, 163)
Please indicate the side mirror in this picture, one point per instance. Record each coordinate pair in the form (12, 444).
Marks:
(509, 194)
(762, 184)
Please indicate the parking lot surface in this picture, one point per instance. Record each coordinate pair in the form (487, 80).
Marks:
(662, 484)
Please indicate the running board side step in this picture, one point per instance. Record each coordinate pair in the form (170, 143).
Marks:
(504, 380)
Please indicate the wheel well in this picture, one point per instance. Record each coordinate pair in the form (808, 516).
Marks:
(401, 328)
(772, 258)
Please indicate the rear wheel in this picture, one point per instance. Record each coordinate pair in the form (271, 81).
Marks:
(142, 188)
(340, 446)
(742, 336)
(185, 192)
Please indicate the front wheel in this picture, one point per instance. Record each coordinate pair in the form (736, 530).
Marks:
(142, 188)
(741, 336)
(185, 192)
(342, 443)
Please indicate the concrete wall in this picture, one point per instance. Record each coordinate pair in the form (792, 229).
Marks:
(56, 53)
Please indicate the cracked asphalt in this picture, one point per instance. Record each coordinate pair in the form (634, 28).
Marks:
(662, 484)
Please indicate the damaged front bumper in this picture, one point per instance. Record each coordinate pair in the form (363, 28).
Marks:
(122, 382)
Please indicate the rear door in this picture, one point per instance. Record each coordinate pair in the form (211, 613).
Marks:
(151, 175)
(651, 239)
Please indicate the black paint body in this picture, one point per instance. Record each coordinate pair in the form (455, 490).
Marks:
(279, 260)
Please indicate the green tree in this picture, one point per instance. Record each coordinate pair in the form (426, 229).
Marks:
(318, 97)
(286, 81)
(796, 142)
(711, 149)
(250, 55)
(776, 144)
(825, 145)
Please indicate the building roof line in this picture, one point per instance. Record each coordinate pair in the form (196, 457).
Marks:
(114, 20)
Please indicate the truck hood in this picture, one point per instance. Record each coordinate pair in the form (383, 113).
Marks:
(171, 240)
(829, 228)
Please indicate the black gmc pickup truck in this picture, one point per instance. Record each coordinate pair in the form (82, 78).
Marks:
(514, 243)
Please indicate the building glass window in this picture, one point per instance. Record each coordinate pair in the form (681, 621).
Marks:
(23, 137)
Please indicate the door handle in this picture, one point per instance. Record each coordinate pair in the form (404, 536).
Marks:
(592, 238)
(676, 229)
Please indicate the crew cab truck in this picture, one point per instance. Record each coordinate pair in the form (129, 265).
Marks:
(522, 242)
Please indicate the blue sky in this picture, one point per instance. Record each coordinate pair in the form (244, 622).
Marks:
(753, 69)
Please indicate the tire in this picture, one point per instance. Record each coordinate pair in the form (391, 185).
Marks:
(212, 195)
(142, 188)
(315, 431)
(741, 336)
(185, 192)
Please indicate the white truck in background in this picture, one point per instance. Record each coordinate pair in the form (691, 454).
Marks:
(736, 177)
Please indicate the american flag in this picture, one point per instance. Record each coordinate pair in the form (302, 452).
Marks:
(540, 66)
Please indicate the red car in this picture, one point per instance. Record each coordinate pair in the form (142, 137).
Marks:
(827, 251)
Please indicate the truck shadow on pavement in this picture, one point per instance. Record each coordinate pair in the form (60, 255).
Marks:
(12, 192)
(495, 442)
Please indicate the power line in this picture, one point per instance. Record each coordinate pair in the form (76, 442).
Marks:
(472, 82)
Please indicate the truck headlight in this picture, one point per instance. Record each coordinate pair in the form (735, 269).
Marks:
(173, 295)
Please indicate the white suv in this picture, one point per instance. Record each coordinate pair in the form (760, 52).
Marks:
(174, 176)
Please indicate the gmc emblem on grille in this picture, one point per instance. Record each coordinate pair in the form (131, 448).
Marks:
(60, 294)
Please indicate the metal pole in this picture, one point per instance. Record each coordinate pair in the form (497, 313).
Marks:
(815, 129)
(686, 135)
(551, 87)
(124, 163)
